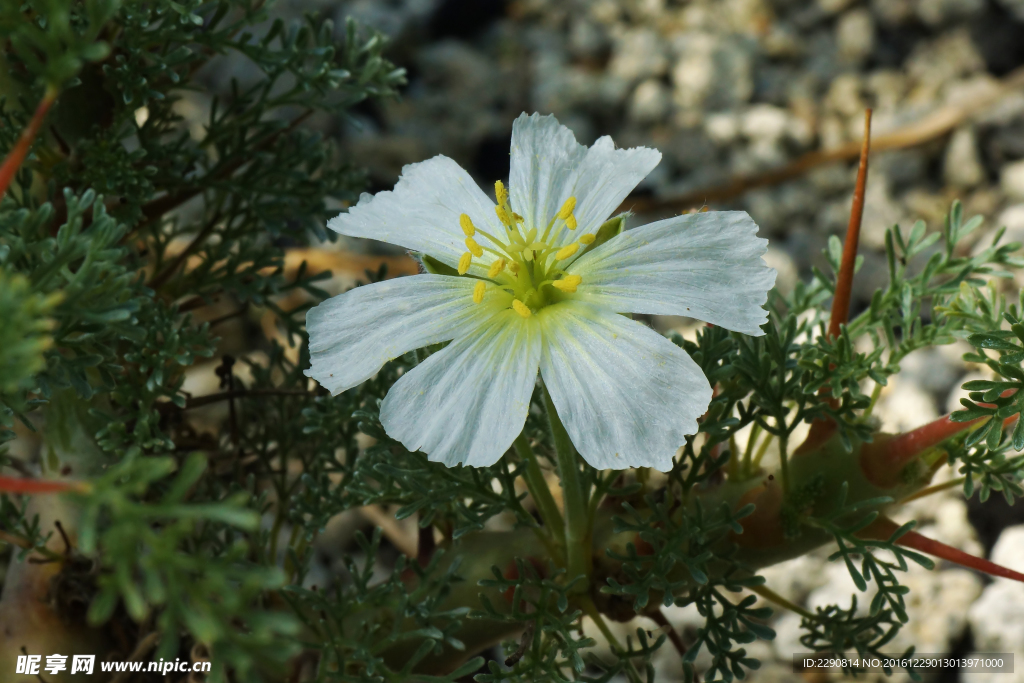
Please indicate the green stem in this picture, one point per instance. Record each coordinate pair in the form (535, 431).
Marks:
(784, 462)
(761, 451)
(577, 523)
(875, 393)
(771, 596)
(538, 487)
(590, 609)
(934, 489)
(748, 452)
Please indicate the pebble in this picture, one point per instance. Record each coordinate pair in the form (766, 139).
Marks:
(937, 12)
(712, 72)
(855, 35)
(650, 102)
(962, 167)
(997, 618)
(639, 53)
(1011, 180)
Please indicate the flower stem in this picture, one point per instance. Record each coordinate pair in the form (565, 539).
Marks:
(538, 487)
(748, 452)
(577, 522)
(784, 461)
(770, 595)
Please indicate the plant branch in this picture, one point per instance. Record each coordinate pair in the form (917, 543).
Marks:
(577, 529)
(20, 150)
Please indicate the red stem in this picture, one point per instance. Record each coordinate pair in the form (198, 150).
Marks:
(22, 485)
(883, 527)
(822, 430)
(844, 280)
(17, 155)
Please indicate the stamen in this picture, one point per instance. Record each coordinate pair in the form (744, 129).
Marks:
(587, 239)
(496, 268)
(473, 247)
(464, 262)
(500, 192)
(478, 292)
(514, 267)
(467, 225)
(570, 222)
(568, 284)
(503, 216)
(518, 218)
(567, 251)
(567, 208)
(521, 308)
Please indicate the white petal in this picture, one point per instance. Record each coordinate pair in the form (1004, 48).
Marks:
(627, 396)
(353, 334)
(703, 265)
(549, 166)
(468, 402)
(422, 213)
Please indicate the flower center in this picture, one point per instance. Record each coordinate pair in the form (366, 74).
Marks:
(528, 266)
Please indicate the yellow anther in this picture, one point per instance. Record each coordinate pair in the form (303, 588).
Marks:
(567, 208)
(473, 247)
(521, 308)
(467, 225)
(503, 215)
(514, 267)
(478, 292)
(587, 239)
(517, 217)
(567, 251)
(464, 262)
(568, 284)
(496, 268)
(570, 222)
(500, 192)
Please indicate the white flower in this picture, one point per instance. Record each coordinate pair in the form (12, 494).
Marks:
(533, 296)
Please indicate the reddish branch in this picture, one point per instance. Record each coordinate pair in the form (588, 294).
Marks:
(822, 429)
(844, 281)
(24, 485)
(17, 155)
(883, 528)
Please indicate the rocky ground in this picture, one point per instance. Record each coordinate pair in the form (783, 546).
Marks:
(736, 88)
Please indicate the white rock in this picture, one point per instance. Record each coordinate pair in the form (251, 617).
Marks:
(1009, 552)
(855, 35)
(722, 127)
(639, 53)
(711, 71)
(1012, 180)
(935, 12)
(650, 102)
(587, 38)
(1012, 218)
(931, 369)
(997, 618)
(962, 166)
(904, 406)
(833, 6)
(892, 12)
(937, 605)
(765, 122)
(795, 579)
